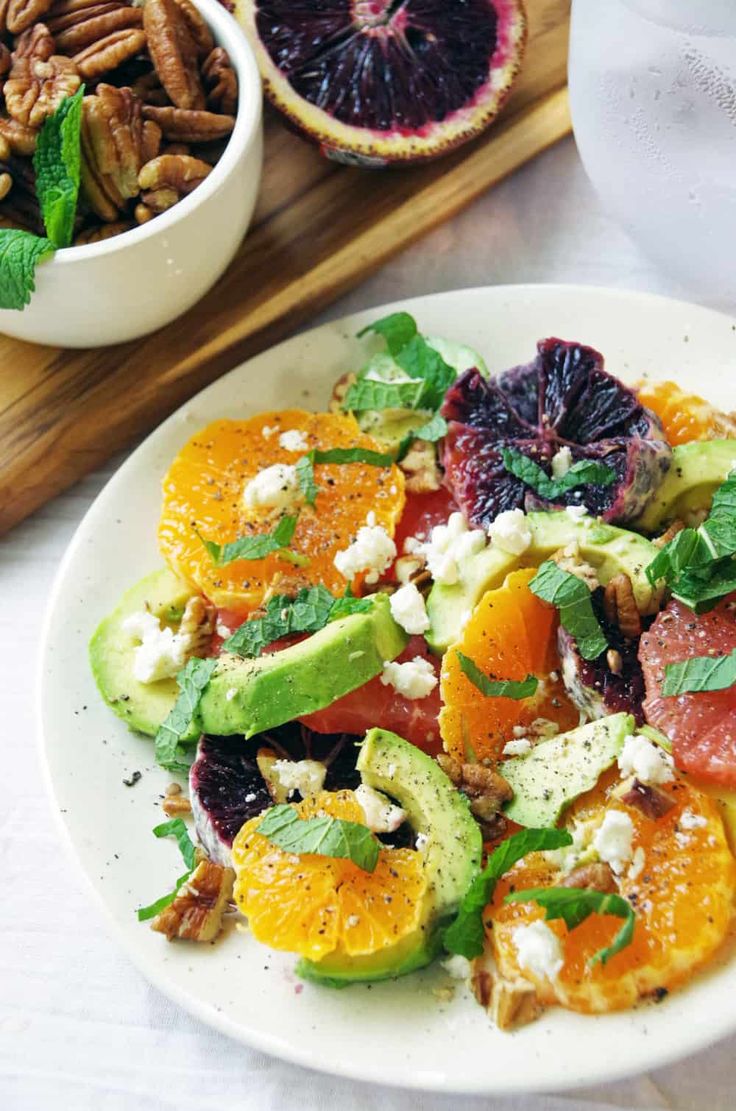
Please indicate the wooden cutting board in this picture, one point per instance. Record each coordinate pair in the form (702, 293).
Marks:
(318, 230)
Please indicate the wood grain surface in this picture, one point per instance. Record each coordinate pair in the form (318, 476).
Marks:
(318, 230)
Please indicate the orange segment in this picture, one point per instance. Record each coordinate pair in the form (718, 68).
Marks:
(683, 898)
(685, 416)
(315, 905)
(511, 634)
(203, 493)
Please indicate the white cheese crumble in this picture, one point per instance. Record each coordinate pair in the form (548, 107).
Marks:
(305, 776)
(414, 679)
(637, 864)
(275, 487)
(447, 547)
(648, 762)
(561, 462)
(576, 512)
(381, 816)
(293, 440)
(161, 653)
(408, 609)
(457, 967)
(267, 432)
(511, 532)
(518, 747)
(372, 551)
(538, 949)
(690, 820)
(421, 842)
(613, 840)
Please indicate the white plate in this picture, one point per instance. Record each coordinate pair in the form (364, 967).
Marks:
(395, 1033)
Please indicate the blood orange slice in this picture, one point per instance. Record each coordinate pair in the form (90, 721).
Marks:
(681, 887)
(511, 634)
(702, 725)
(203, 497)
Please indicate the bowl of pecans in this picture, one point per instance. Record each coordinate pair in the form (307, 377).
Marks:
(130, 160)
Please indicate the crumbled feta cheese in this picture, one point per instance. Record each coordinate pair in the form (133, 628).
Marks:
(648, 762)
(511, 532)
(457, 967)
(381, 815)
(230, 694)
(372, 551)
(518, 747)
(267, 432)
(352, 921)
(408, 609)
(293, 440)
(447, 547)
(161, 653)
(690, 820)
(251, 796)
(414, 679)
(561, 462)
(576, 512)
(538, 949)
(305, 776)
(637, 864)
(275, 487)
(421, 842)
(222, 630)
(613, 838)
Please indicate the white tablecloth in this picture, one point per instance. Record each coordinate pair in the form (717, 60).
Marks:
(80, 1029)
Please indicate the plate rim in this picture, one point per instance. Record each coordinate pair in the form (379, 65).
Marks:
(155, 971)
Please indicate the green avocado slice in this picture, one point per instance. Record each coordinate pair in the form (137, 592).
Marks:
(249, 695)
(697, 470)
(143, 706)
(452, 851)
(556, 771)
(609, 549)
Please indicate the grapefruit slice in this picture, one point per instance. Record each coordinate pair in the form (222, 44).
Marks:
(701, 725)
(375, 82)
(682, 887)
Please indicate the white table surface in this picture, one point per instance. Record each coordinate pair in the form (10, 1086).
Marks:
(79, 1027)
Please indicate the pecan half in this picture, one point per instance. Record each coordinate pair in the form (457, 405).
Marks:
(35, 88)
(649, 801)
(486, 789)
(176, 805)
(514, 1003)
(109, 52)
(596, 877)
(184, 126)
(97, 27)
(22, 14)
(669, 534)
(620, 607)
(196, 912)
(20, 139)
(98, 234)
(421, 468)
(198, 29)
(77, 12)
(114, 142)
(570, 560)
(36, 42)
(173, 52)
(5, 59)
(220, 82)
(179, 172)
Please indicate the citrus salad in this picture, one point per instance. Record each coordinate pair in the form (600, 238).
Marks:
(449, 671)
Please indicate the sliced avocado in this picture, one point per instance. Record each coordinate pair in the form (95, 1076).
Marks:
(452, 854)
(111, 652)
(457, 355)
(556, 771)
(610, 550)
(248, 696)
(697, 470)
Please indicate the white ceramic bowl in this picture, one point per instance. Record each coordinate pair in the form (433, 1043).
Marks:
(129, 285)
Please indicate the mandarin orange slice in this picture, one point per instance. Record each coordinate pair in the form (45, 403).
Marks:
(685, 416)
(681, 886)
(203, 494)
(511, 634)
(316, 905)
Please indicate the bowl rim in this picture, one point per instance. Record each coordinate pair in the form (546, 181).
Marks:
(230, 35)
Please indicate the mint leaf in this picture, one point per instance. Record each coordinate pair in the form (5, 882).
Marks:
(573, 599)
(580, 474)
(466, 934)
(180, 726)
(419, 360)
(308, 612)
(57, 163)
(20, 254)
(305, 474)
(434, 429)
(324, 836)
(701, 588)
(305, 466)
(144, 913)
(497, 688)
(397, 329)
(720, 525)
(258, 546)
(369, 393)
(700, 673)
(685, 550)
(574, 904)
(177, 828)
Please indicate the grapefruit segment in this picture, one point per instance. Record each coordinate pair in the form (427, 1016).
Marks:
(203, 496)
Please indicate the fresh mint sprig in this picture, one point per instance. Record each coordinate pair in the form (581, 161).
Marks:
(574, 904)
(497, 688)
(308, 612)
(57, 165)
(583, 472)
(175, 828)
(305, 465)
(181, 726)
(700, 673)
(258, 546)
(324, 836)
(574, 601)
